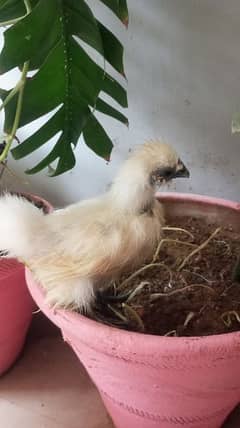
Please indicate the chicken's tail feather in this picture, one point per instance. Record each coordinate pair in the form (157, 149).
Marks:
(20, 224)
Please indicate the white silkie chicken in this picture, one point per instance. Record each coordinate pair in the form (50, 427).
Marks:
(74, 251)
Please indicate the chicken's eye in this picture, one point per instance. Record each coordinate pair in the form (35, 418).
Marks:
(161, 174)
(168, 173)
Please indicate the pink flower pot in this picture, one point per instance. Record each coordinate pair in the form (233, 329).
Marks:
(16, 307)
(158, 382)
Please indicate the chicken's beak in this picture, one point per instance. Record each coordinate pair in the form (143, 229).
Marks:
(181, 171)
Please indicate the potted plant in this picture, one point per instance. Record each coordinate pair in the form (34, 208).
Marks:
(16, 304)
(150, 380)
(42, 36)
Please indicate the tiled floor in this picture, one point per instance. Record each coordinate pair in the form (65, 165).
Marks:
(48, 388)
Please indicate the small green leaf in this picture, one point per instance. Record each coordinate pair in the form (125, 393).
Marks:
(103, 81)
(97, 139)
(114, 90)
(83, 24)
(33, 30)
(124, 11)
(61, 150)
(105, 108)
(40, 99)
(67, 159)
(85, 63)
(113, 49)
(51, 157)
(236, 123)
(40, 137)
(119, 8)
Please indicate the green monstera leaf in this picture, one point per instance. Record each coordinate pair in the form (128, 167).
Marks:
(44, 37)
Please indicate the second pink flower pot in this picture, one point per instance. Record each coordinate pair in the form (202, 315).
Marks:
(16, 307)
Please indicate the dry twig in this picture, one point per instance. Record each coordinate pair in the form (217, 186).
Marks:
(178, 229)
(132, 314)
(155, 296)
(141, 270)
(227, 317)
(176, 241)
(198, 249)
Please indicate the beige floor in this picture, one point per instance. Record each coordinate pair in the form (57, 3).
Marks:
(48, 388)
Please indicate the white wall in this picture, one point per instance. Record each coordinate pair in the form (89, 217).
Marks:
(183, 65)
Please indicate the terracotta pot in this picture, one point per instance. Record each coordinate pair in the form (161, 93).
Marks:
(149, 381)
(16, 307)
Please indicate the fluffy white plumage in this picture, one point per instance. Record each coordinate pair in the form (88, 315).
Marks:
(75, 250)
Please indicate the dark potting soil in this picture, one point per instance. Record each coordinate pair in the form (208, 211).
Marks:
(198, 299)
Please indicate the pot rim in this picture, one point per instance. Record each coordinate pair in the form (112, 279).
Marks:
(103, 331)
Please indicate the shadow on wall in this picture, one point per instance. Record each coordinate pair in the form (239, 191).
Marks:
(183, 73)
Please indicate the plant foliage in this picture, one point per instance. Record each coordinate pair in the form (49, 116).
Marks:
(43, 35)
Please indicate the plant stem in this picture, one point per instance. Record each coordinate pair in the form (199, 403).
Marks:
(203, 245)
(10, 137)
(19, 88)
(176, 241)
(226, 317)
(142, 269)
(11, 94)
(11, 21)
(178, 229)
(131, 313)
(156, 296)
(28, 6)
